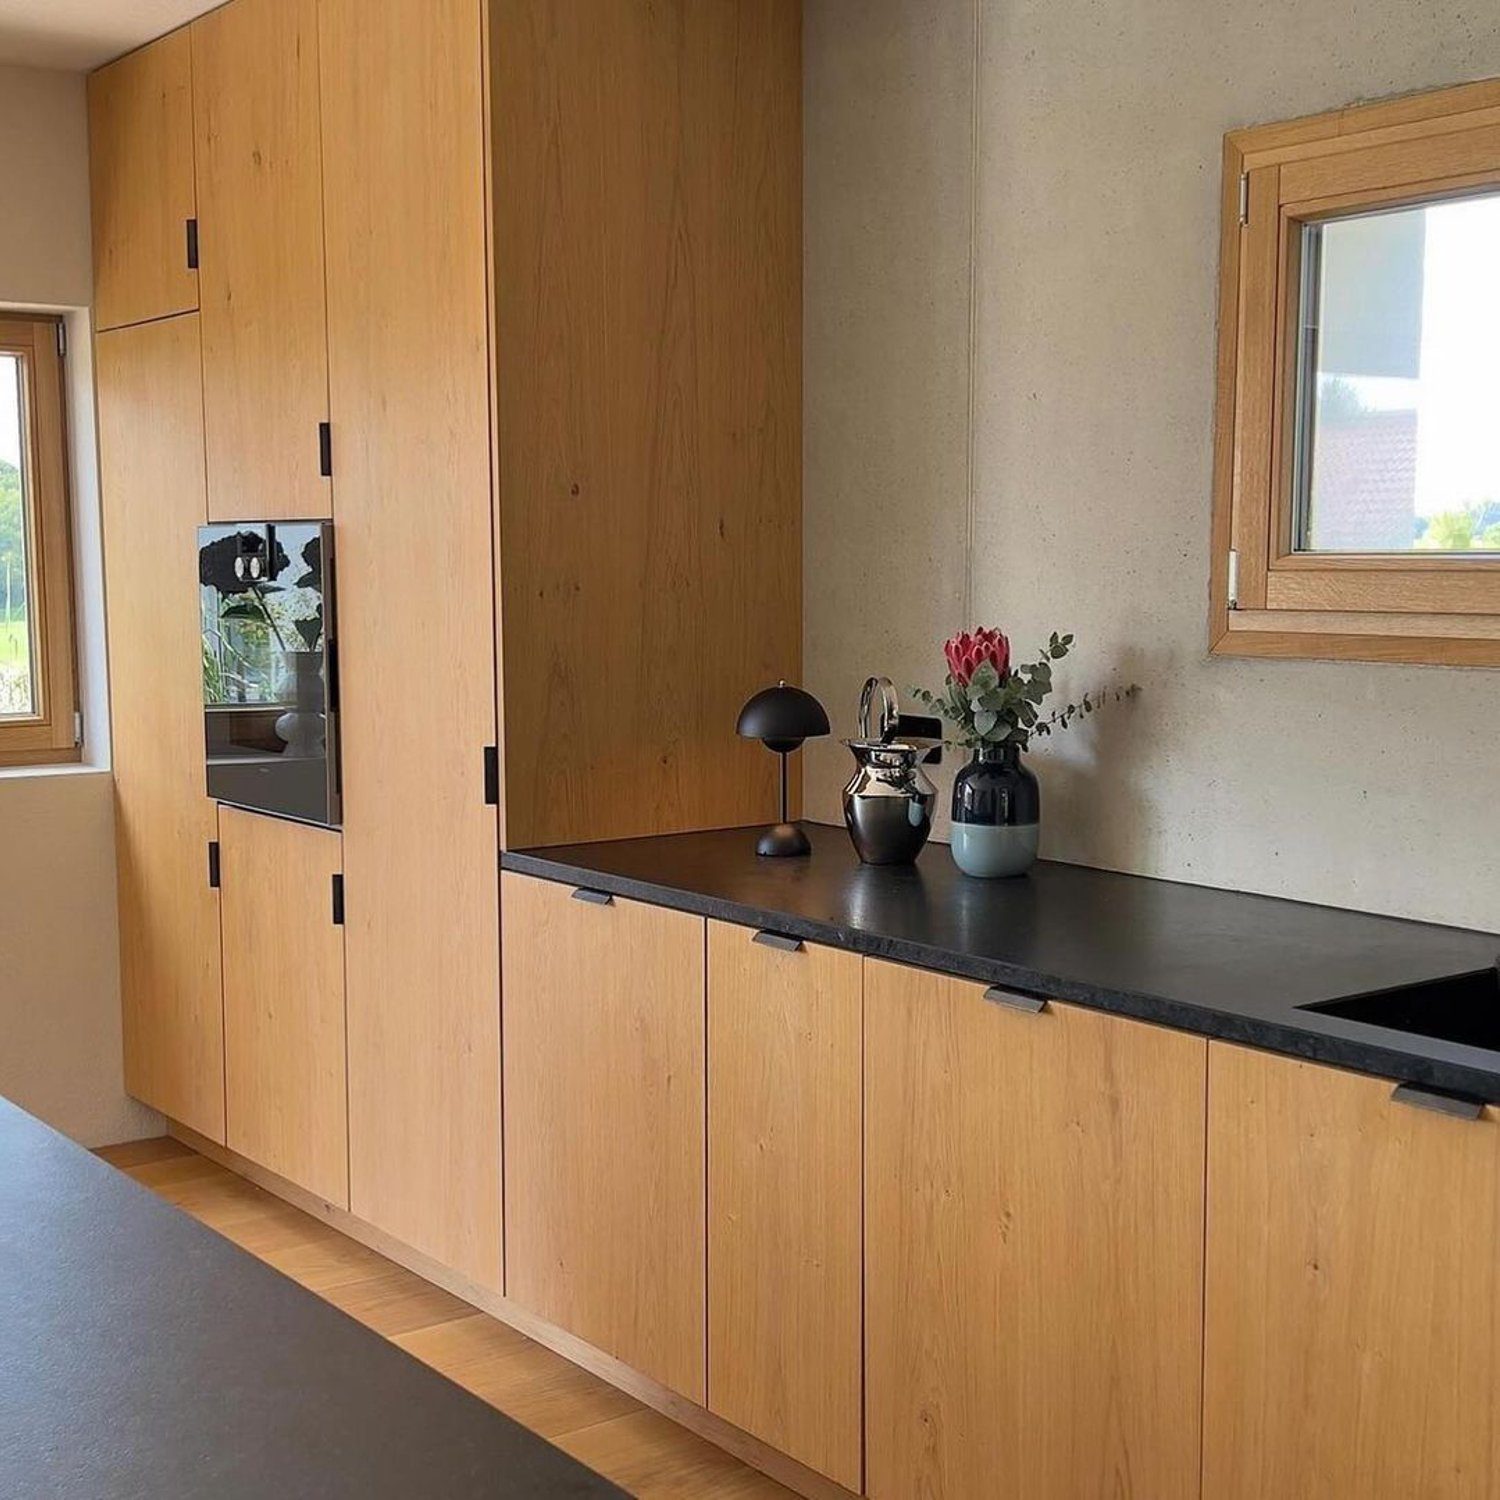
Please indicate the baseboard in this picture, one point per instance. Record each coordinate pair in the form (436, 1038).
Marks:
(749, 1450)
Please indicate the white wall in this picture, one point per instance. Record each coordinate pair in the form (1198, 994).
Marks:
(59, 967)
(1037, 456)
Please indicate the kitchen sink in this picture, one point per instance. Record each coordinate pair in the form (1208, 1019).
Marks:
(1463, 1008)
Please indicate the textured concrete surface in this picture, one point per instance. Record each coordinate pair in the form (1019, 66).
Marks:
(1095, 261)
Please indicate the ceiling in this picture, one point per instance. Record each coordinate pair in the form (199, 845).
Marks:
(80, 34)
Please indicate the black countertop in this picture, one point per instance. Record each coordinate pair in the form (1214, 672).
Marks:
(143, 1357)
(1223, 963)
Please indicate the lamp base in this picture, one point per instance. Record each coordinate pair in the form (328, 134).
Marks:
(783, 839)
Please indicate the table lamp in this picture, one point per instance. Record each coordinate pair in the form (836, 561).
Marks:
(781, 717)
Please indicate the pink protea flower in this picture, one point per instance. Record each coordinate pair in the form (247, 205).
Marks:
(969, 650)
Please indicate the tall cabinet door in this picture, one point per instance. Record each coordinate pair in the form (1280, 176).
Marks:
(141, 177)
(784, 1203)
(1033, 1247)
(604, 1125)
(151, 477)
(260, 215)
(284, 1075)
(1353, 1298)
(403, 161)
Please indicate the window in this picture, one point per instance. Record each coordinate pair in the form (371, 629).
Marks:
(37, 669)
(1357, 469)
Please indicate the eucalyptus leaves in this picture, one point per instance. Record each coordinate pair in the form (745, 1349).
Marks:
(990, 702)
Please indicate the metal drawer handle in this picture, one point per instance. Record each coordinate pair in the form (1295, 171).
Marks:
(1440, 1103)
(781, 941)
(1033, 1005)
(594, 898)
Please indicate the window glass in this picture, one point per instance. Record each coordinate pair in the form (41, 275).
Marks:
(17, 669)
(1397, 419)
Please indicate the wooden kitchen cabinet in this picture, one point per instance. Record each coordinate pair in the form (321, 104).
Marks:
(604, 1124)
(1353, 1289)
(784, 1198)
(410, 380)
(285, 1082)
(151, 479)
(1033, 1247)
(141, 183)
(260, 249)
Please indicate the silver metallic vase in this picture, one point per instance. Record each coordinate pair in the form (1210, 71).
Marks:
(889, 801)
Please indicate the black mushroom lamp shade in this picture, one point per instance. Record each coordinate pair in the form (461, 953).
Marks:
(781, 717)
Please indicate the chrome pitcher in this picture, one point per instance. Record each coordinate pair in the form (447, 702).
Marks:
(889, 801)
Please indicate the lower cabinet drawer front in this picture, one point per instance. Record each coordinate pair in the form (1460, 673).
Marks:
(784, 1196)
(603, 1037)
(1353, 1300)
(1033, 1248)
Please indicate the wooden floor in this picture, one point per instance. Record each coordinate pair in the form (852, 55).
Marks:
(636, 1447)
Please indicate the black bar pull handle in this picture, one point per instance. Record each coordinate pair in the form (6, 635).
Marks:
(213, 864)
(1032, 1005)
(1438, 1102)
(593, 898)
(492, 776)
(338, 900)
(325, 449)
(783, 942)
(192, 244)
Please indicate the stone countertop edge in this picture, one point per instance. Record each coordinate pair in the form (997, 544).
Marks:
(1451, 1067)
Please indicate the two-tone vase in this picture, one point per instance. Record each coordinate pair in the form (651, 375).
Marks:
(997, 808)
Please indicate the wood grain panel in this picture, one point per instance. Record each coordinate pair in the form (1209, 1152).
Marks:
(1452, 154)
(261, 285)
(785, 1212)
(151, 479)
(604, 1125)
(647, 180)
(1353, 1290)
(409, 368)
(141, 183)
(285, 1077)
(1033, 1248)
(1465, 589)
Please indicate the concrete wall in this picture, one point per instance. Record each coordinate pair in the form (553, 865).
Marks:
(1011, 260)
(59, 966)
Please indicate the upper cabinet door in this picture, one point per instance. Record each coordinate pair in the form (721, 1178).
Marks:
(141, 173)
(1353, 1289)
(260, 214)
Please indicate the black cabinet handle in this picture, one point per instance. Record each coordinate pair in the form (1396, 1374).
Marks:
(1033, 1005)
(325, 449)
(593, 898)
(192, 244)
(782, 941)
(1438, 1102)
(213, 864)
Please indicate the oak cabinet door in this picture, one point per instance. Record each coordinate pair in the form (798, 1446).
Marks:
(141, 183)
(260, 255)
(1353, 1296)
(284, 1062)
(151, 484)
(403, 155)
(1033, 1248)
(604, 1124)
(784, 1198)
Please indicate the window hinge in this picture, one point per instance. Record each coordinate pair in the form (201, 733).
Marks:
(1244, 197)
(1233, 589)
(77, 727)
(62, 339)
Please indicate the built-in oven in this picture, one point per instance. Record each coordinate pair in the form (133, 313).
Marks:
(270, 677)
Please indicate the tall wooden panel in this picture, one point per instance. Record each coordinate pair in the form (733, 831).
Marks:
(151, 478)
(285, 1082)
(785, 1157)
(260, 215)
(404, 167)
(141, 179)
(1353, 1336)
(604, 1125)
(1033, 1248)
(647, 182)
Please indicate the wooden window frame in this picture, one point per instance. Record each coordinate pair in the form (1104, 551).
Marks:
(49, 736)
(1426, 608)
